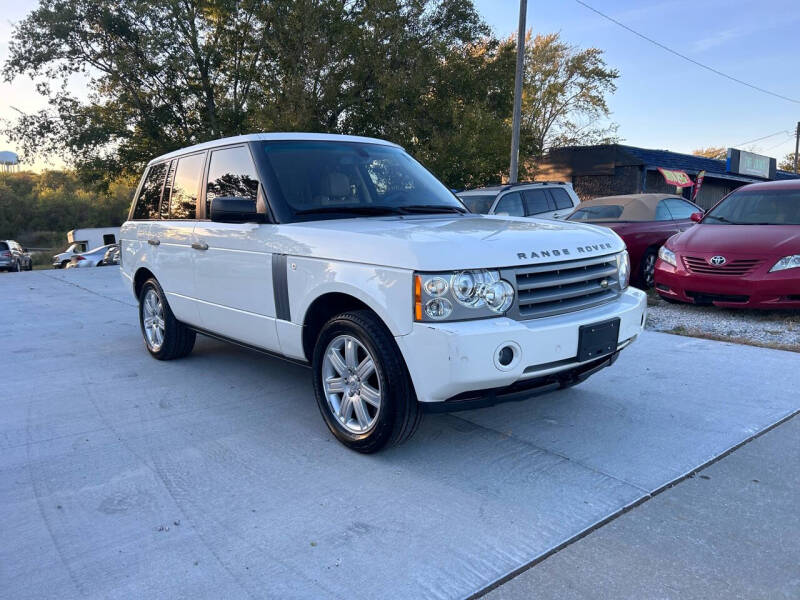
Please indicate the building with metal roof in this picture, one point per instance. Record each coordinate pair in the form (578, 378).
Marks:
(614, 169)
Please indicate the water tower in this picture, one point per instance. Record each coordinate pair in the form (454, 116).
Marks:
(9, 162)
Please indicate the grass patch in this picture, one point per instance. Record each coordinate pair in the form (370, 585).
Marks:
(699, 333)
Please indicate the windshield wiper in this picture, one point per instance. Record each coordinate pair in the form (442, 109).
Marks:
(356, 210)
(431, 208)
(722, 220)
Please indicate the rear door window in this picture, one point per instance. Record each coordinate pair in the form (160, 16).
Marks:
(511, 205)
(538, 202)
(561, 198)
(231, 174)
(188, 175)
(147, 204)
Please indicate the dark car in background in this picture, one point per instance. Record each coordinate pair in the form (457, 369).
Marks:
(13, 257)
(745, 252)
(643, 221)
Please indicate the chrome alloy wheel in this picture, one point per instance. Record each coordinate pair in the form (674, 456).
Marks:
(649, 269)
(351, 384)
(153, 320)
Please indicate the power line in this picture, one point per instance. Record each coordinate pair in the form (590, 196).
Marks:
(684, 57)
(786, 131)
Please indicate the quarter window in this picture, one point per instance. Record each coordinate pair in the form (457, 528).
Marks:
(511, 205)
(662, 212)
(561, 198)
(538, 201)
(231, 174)
(183, 202)
(147, 203)
(680, 209)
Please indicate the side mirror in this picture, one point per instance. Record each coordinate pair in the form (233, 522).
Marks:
(697, 217)
(235, 210)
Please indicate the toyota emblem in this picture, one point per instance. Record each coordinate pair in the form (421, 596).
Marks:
(717, 261)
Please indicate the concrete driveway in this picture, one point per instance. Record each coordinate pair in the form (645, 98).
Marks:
(215, 476)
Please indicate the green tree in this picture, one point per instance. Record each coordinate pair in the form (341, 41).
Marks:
(787, 164)
(564, 99)
(164, 74)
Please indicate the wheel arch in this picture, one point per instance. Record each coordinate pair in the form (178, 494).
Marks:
(142, 274)
(322, 309)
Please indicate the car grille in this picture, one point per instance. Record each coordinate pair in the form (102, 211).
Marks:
(556, 288)
(734, 267)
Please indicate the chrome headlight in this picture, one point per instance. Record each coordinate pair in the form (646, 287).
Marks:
(623, 269)
(460, 295)
(787, 262)
(668, 256)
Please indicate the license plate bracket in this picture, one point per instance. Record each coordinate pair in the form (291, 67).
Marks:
(598, 339)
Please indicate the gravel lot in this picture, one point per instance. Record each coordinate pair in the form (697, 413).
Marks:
(772, 329)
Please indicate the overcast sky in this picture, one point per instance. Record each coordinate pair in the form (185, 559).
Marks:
(662, 101)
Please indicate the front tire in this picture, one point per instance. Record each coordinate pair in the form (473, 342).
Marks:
(647, 269)
(164, 336)
(362, 387)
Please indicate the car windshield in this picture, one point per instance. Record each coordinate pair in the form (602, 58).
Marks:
(775, 207)
(3, 246)
(478, 203)
(321, 179)
(596, 213)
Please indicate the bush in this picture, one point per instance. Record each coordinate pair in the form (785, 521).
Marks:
(38, 209)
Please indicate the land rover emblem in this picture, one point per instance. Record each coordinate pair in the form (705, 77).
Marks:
(717, 261)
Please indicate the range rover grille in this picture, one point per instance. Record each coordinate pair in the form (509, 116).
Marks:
(556, 288)
(734, 267)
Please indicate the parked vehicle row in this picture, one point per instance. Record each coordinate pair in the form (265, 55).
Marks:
(345, 254)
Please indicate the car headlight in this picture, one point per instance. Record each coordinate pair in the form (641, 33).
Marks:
(623, 269)
(668, 256)
(787, 262)
(454, 296)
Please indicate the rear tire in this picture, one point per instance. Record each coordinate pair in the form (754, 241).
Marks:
(361, 383)
(165, 337)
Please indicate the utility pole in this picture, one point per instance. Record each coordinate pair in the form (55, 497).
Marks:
(515, 123)
(796, 146)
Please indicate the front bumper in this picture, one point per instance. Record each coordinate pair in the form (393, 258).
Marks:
(448, 360)
(760, 289)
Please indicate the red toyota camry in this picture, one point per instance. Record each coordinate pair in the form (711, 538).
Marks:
(745, 252)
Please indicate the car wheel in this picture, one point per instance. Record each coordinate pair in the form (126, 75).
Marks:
(362, 387)
(647, 269)
(64, 264)
(164, 336)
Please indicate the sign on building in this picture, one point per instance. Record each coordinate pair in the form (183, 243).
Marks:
(740, 162)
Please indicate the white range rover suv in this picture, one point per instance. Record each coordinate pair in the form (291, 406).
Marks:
(345, 254)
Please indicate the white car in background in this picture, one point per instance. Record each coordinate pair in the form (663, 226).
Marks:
(61, 260)
(92, 258)
(540, 199)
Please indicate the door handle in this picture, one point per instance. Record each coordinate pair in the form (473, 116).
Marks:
(154, 241)
(200, 246)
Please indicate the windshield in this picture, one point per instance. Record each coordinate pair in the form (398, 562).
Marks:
(778, 207)
(601, 211)
(478, 203)
(321, 179)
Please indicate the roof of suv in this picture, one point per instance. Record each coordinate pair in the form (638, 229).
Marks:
(264, 137)
(508, 186)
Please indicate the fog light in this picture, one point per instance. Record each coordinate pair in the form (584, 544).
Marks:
(505, 356)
